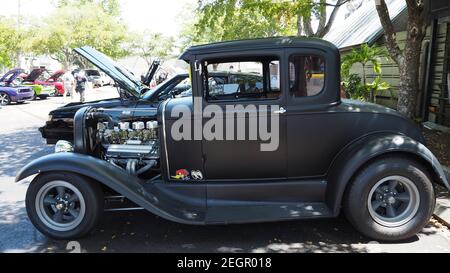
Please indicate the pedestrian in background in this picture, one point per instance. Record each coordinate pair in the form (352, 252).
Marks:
(69, 84)
(81, 81)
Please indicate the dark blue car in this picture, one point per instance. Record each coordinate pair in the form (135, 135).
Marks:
(11, 93)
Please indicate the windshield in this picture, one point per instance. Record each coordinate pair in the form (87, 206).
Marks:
(44, 76)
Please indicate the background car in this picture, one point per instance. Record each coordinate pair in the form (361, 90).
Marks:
(42, 77)
(106, 80)
(15, 78)
(94, 77)
(10, 94)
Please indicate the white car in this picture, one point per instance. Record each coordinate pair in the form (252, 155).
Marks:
(106, 80)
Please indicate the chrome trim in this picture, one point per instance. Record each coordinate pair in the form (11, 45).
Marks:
(165, 137)
(123, 209)
(127, 109)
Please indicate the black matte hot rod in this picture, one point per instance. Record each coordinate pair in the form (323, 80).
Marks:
(324, 155)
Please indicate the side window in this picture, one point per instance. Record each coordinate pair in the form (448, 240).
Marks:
(242, 80)
(306, 75)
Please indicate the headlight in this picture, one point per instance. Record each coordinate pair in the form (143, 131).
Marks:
(50, 117)
(63, 146)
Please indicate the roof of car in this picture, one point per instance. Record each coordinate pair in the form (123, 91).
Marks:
(262, 43)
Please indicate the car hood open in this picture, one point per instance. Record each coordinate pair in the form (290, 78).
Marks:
(34, 74)
(11, 76)
(118, 73)
(56, 75)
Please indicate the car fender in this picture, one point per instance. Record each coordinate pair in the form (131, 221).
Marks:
(10, 91)
(152, 199)
(355, 155)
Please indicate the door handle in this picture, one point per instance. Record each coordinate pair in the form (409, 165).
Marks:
(281, 111)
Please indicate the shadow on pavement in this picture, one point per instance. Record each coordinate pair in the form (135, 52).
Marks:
(17, 233)
(133, 232)
(18, 148)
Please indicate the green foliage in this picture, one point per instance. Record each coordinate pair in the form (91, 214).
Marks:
(112, 7)
(74, 26)
(364, 55)
(150, 45)
(9, 42)
(234, 19)
(221, 20)
(354, 89)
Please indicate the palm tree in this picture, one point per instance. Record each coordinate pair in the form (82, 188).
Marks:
(365, 55)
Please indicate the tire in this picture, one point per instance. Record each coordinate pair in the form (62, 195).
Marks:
(54, 93)
(383, 212)
(4, 99)
(43, 97)
(56, 220)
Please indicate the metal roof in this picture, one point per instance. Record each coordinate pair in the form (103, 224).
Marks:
(363, 26)
(253, 44)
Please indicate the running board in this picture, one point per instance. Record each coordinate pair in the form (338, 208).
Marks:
(117, 203)
(266, 212)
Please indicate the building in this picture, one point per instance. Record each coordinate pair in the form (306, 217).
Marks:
(364, 26)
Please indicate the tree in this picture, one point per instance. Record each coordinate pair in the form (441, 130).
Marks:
(234, 19)
(151, 46)
(408, 58)
(365, 55)
(75, 26)
(9, 42)
(112, 7)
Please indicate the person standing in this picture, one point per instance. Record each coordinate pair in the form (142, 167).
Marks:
(81, 81)
(69, 84)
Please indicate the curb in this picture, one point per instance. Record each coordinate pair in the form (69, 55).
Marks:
(442, 210)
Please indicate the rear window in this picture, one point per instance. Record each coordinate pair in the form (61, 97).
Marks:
(306, 75)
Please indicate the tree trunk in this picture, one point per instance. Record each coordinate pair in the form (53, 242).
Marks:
(409, 83)
(299, 25)
(408, 59)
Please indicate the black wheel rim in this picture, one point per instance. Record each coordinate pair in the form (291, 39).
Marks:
(393, 201)
(60, 206)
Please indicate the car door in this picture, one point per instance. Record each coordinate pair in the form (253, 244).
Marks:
(242, 94)
(313, 88)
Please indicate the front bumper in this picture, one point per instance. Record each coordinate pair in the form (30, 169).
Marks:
(23, 96)
(96, 82)
(53, 134)
(47, 91)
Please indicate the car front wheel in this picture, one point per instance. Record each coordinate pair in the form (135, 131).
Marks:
(64, 205)
(4, 99)
(391, 199)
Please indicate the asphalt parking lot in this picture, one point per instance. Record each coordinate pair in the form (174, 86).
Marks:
(139, 231)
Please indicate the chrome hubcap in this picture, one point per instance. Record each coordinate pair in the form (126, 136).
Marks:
(60, 206)
(4, 99)
(393, 201)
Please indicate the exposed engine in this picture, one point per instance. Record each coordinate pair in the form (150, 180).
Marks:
(132, 146)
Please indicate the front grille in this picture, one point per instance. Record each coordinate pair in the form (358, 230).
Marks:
(24, 90)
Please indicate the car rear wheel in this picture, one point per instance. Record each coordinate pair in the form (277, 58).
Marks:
(64, 205)
(391, 199)
(4, 99)
(54, 93)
